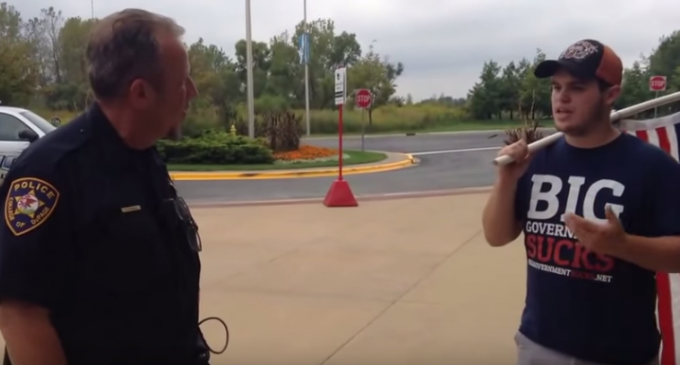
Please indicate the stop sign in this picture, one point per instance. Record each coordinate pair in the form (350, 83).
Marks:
(363, 98)
(657, 83)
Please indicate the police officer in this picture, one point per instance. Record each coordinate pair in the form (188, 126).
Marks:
(98, 255)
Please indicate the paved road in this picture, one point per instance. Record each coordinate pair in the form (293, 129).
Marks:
(418, 143)
(443, 166)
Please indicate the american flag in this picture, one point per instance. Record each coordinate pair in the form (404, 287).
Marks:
(664, 133)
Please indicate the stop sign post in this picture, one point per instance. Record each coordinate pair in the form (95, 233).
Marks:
(657, 84)
(363, 99)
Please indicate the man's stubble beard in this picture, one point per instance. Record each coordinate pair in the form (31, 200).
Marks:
(598, 114)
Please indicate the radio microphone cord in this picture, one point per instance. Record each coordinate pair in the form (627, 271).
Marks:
(226, 331)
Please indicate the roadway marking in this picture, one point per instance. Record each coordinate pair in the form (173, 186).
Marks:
(454, 151)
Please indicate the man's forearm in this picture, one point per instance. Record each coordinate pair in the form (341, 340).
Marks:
(35, 346)
(499, 222)
(30, 338)
(657, 254)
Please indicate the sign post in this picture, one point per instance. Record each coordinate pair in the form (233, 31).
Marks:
(363, 99)
(340, 194)
(657, 84)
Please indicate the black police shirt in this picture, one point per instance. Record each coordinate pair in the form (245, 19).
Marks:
(585, 304)
(93, 232)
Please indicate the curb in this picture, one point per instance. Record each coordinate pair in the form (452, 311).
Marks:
(408, 160)
(416, 133)
(360, 198)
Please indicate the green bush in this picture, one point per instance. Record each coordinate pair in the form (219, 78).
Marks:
(215, 147)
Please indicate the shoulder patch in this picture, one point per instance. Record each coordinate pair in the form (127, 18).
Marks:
(30, 202)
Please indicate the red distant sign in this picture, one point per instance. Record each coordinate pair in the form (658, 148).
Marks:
(657, 83)
(363, 98)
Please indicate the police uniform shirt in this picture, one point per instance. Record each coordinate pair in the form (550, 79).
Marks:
(94, 232)
(588, 305)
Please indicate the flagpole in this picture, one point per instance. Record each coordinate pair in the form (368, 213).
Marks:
(307, 44)
(249, 73)
(614, 116)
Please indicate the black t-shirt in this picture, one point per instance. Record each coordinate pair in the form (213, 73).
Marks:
(91, 232)
(584, 304)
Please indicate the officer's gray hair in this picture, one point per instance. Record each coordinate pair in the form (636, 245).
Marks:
(124, 46)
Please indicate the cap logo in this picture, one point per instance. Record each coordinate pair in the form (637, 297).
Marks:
(579, 51)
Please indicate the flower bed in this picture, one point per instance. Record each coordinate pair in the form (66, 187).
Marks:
(306, 153)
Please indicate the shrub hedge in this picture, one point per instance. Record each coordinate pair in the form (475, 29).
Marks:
(275, 132)
(215, 147)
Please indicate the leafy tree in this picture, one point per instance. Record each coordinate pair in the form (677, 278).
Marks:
(635, 86)
(18, 70)
(377, 75)
(42, 65)
(485, 96)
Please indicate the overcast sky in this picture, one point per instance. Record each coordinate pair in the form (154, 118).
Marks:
(442, 43)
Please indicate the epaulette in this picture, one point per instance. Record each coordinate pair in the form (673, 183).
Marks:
(45, 154)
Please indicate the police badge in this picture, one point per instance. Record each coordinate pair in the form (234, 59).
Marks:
(29, 203)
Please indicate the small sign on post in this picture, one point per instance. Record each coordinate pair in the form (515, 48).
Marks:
(340, 86)
(657, 84)
(340, 194)
(363, 99)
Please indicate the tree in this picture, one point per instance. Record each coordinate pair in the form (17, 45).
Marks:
(53, 22)
(485, 96)
(261, 65)
(216, 75)
(42, 64)
(327, 52)
(378, 76)
(70, 88)
(285, 74)
(18, 70)
(635, 86)
(492, 95)
(511, 83)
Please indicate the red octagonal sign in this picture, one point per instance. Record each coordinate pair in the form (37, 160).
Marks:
(363, 98)
(657, 83)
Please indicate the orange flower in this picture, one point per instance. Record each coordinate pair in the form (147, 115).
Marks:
(306, 153)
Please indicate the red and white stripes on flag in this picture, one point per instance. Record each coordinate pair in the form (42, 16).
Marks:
(664, 132)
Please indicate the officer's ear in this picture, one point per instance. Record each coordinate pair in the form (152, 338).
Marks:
(141, 94)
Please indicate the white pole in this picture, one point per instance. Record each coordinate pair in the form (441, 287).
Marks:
(309, 132)
(249, 73)
(656, 96)
(92, 9)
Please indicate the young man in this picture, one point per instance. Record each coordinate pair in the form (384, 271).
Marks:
(600, 213)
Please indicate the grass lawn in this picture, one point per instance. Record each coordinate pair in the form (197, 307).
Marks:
(454, 127)
(355, 158)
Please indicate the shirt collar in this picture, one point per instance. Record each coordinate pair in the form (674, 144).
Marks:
(116, 152)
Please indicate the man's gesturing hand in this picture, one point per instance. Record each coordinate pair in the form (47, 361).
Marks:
(599, 237)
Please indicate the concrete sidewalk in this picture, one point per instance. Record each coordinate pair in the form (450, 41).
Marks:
(407, 281)
(396, 282)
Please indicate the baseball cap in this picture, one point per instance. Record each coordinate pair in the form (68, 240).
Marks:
(585, 59)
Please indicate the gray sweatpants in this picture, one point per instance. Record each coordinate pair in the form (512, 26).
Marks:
(531, 353)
